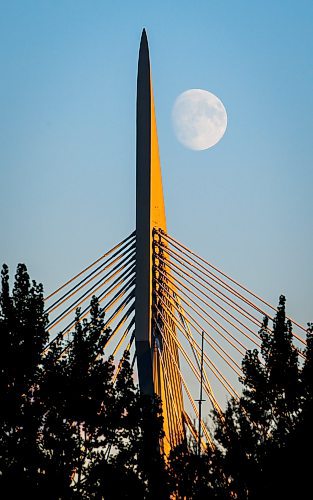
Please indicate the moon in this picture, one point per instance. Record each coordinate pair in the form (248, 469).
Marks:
(199, 119)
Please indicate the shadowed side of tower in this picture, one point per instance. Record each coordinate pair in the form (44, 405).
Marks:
(143, 230)
(150, 214)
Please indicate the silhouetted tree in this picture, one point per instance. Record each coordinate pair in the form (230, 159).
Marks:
(23, 336)
(263, 439)
(297, 466)
(71, 429)
(258, 427)
(196, 477)
(68, 430)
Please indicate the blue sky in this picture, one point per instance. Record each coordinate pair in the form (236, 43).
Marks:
(67, 135)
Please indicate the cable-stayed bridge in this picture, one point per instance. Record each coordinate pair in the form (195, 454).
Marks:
(185, 322)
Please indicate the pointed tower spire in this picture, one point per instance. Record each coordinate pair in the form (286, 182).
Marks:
(150, 214)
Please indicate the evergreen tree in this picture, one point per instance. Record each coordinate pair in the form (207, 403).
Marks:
(70, 430)
(67, 430)
(58, 442)
(255, 435)
(300, 442)
(129, 463)
(197, 477)
(84, 406)
(23, 335)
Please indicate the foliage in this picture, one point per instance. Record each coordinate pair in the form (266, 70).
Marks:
(257, 441)
(69, 431)
(23, 336)
(194, 476)
(262, 440)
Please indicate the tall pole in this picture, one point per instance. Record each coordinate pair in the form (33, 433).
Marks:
(200, 396)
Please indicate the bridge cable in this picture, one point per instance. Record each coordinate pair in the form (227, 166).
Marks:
(91, 291)
(236, 283)
(220, 295)
(109, 290)
(204, 428)
(170, 389)
(90, 266)
(169, 264)
(81, 284)
(196, 355)
(228, 387)
(235, 368)
(205, 295)
(213, 319)
(206, 273)
(106, 325)
(119, 367)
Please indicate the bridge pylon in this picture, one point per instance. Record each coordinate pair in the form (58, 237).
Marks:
(152, 353)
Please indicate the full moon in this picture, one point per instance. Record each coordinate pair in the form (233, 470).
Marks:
(199, 119)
